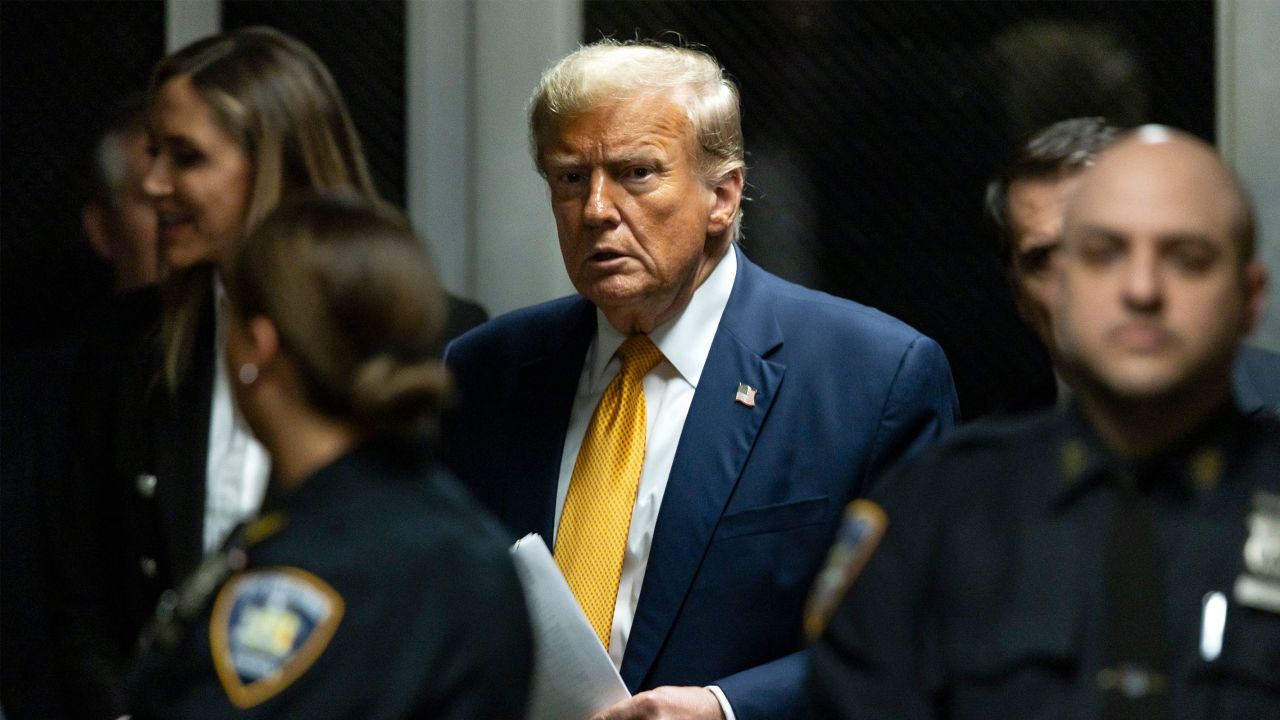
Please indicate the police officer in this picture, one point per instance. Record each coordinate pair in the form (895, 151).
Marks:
(1026, 203)
(1119, 557)
(371, 585)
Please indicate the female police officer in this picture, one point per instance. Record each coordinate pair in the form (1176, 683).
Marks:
(370, 586)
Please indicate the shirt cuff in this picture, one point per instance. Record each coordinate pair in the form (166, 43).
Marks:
(724, 702)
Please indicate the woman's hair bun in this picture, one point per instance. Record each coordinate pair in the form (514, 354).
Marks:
(356, 305)
(398, 398)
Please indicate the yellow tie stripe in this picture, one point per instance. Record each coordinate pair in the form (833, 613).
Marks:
(597, 510)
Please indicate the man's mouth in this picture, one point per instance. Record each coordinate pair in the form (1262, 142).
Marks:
(1143, 337)
(169, 220)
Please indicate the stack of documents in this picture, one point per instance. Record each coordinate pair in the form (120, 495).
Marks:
(573, 677)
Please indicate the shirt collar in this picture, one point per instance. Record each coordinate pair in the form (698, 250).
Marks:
(685, 340)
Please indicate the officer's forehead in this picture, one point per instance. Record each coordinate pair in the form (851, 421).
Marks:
(1156, 176)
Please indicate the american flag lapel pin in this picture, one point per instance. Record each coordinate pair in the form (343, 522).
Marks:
(746, 395)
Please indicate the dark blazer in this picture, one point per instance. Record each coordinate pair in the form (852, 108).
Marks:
(754, 494)
(129, 515)
(461, 315)
(34, 443)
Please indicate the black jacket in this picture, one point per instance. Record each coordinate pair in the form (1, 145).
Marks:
(986, 597)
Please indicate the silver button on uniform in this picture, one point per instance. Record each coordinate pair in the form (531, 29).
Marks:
(148, 566)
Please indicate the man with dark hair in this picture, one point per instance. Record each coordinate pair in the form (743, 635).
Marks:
(1026, 201)
(40, 409)
(119, 220)
(1114, 558)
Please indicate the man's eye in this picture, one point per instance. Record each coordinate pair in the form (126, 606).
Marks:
(186, 157)
(639, 172)
(1036, 260)
(571, 177)
(1099, 252)
(1194, 259)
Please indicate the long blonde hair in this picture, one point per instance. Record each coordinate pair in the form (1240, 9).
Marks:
(274, 96)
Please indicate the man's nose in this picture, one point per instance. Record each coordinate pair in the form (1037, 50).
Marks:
(1142, 282)
(157, 183)
(600, 208)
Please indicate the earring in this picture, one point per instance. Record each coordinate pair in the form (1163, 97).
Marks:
(248, 373)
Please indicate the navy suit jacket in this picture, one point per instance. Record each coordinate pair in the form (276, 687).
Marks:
(754, 494)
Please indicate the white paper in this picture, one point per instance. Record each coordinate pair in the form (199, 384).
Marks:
(573, 677)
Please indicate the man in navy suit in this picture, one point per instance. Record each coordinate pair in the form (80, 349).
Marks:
(771, 405)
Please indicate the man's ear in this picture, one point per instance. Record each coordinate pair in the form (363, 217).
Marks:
(1255, 289)
(93, 218)
(728, 198)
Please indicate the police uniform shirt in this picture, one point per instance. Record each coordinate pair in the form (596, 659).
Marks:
(377, 589)
(986, 597)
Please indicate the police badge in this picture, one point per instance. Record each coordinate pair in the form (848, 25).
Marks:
(1259, 585)
(268, 627)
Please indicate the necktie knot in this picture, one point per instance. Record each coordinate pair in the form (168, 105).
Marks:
(639, 355)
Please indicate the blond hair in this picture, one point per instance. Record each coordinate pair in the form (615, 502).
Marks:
(609, 72)
(279, 102)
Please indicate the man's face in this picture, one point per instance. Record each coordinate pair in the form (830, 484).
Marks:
(1154, 296)
(639, 229)
(123, 230)
(1036, 206)
(135, 227)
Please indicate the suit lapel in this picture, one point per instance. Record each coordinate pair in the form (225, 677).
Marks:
(546, 385)
(717, 439)
(182, 451)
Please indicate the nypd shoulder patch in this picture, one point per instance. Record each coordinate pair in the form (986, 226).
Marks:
(860, 531)
(268, 627)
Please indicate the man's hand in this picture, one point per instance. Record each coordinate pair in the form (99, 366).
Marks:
(666, 703)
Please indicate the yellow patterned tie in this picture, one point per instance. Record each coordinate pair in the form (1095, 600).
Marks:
(597, 509)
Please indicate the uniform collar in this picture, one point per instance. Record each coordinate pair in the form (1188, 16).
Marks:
(1192, 466)
(368, 461)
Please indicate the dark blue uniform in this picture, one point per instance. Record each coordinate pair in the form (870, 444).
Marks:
(377, 589)
(987, 596)
(1256, 380)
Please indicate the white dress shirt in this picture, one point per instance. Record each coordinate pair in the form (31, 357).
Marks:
(237, 466)
(685, 342)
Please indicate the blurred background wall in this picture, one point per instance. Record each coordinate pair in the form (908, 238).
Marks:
(871, 128)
